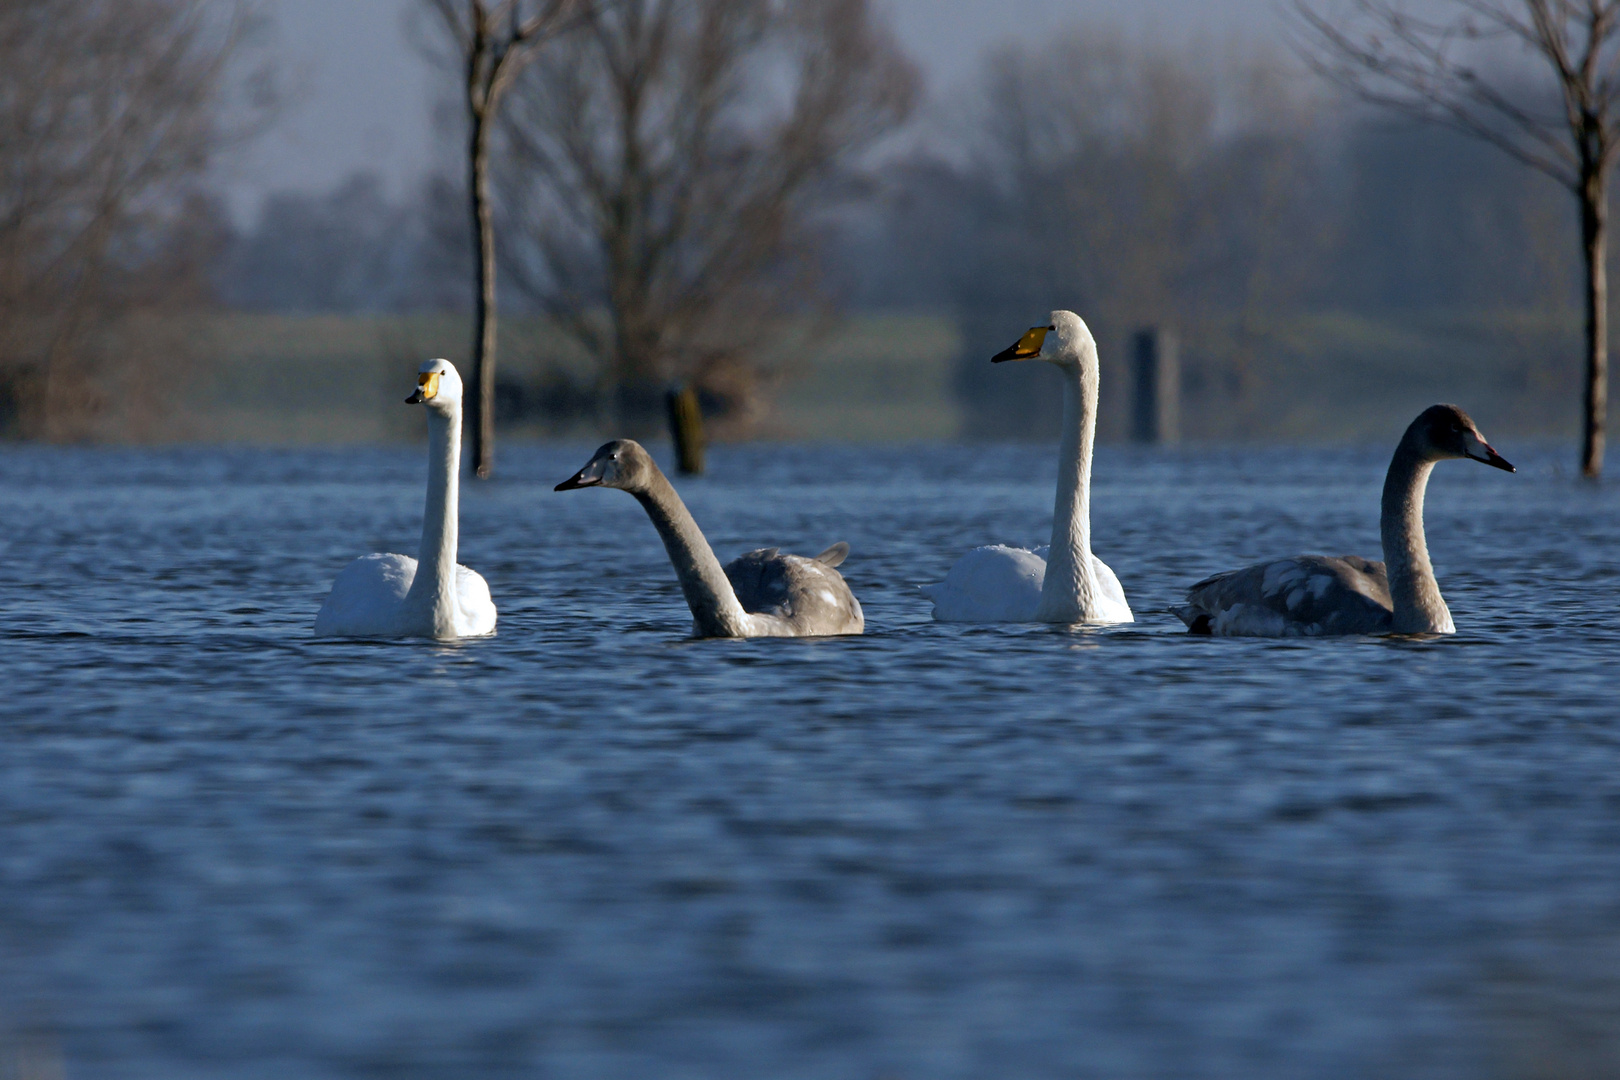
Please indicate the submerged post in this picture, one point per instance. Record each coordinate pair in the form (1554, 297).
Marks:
(686, 429)
(1157, 417)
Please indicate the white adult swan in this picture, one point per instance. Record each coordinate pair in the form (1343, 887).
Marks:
(1064, 582)
(760, 594)
(383, 596)
(1321, 596)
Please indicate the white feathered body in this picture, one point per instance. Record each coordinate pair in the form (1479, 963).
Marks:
(371, 598)
(382, 595)
(1001, 584)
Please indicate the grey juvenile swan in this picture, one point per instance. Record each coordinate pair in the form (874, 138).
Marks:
(760, 594)
(1319, 595)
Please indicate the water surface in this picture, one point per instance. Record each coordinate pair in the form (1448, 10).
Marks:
(591, 847)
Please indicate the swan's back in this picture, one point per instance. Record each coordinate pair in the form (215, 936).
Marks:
(1305, 596)
(1001, 584)
(366, 597)
(477, 615)
(990, 584)
(368, 601)
(796, 596)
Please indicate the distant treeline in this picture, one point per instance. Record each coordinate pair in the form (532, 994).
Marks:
(1137, 185)
(1221, 195)
(1371, 217)
(1219, 198)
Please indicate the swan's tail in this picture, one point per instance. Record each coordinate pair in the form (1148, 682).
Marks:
(1198, 622)
(835, 555)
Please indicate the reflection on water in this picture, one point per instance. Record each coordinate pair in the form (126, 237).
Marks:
(589, 847)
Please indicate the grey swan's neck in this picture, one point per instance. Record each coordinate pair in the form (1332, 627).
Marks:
(1413, 592)
(708, 592)
(1068, 595)
(433, 591)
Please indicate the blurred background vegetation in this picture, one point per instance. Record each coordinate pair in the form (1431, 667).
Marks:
(779, 210)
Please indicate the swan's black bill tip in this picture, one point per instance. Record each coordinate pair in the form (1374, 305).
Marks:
(576, 481)
(414, 399)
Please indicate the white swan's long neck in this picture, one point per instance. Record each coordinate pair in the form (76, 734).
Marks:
(708, 592)
(1413, 592)
(434, 587)
(1069, 592)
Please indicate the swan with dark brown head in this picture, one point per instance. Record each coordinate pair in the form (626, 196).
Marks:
(1323, 595)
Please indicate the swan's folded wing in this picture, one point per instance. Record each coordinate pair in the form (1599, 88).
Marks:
(1111, 602)
(805, 597)
(365, 597)
(1306, 596)
(760, 583)
(477, 608)
(991, 584)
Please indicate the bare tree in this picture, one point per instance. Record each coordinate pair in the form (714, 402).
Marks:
(1427, 62)
(671, 160)
(495, 40)
(109, 113)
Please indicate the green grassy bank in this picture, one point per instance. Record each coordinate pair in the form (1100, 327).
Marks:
(1311, 378)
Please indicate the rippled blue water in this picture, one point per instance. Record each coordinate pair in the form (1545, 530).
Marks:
(590, 847)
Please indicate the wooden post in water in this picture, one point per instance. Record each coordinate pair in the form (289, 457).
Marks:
(1157, 418)
(686, 429)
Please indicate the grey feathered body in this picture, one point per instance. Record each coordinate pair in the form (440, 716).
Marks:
(761, 594)
(1305, 596)
(1318, 596)
(808, 595)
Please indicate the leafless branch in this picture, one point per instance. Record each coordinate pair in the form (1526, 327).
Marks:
(669, 157)
(1428, 67)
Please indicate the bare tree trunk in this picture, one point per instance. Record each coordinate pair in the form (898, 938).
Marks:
(1411, 64)
(482, 369)
(495, 41)
(52, 377)
(1593, 195)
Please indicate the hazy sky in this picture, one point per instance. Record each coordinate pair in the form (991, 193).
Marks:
(364, 97)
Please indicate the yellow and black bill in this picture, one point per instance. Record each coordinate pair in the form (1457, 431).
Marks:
(1028, 346)
(427, 388)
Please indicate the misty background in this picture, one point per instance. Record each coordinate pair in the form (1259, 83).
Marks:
(1326, 269)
